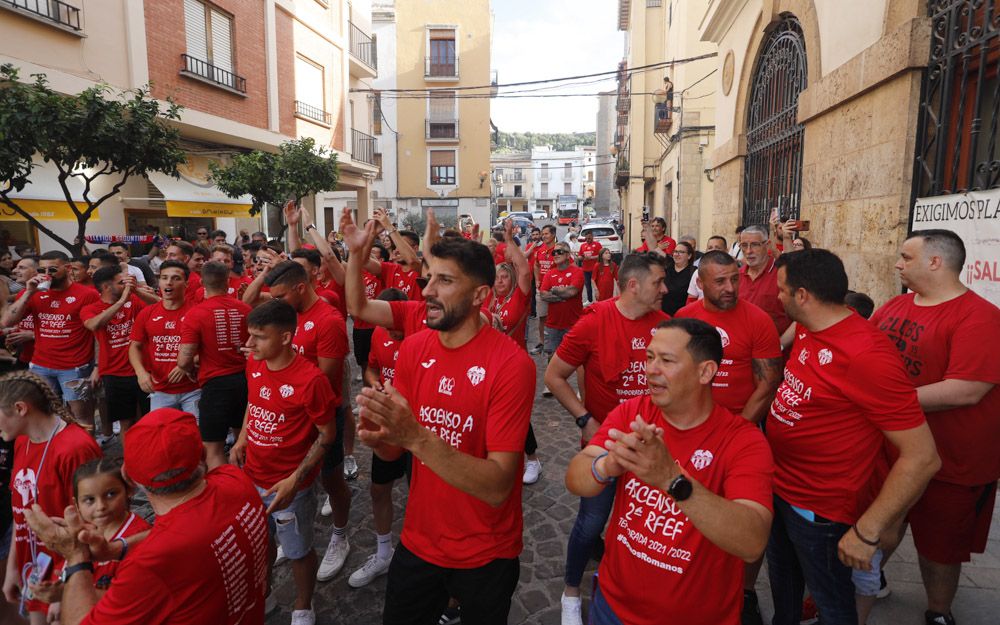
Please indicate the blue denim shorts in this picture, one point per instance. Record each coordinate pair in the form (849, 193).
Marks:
(868, 583)
(59, 379)
(292, 527)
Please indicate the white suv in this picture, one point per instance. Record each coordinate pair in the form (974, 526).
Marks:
(605, 234)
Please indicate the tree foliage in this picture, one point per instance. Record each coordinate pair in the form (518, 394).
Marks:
(99, 134)
(298, 169)
(561, 141)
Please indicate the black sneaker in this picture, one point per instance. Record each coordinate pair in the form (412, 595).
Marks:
(450, 616)
(750, 615)
(936, 618)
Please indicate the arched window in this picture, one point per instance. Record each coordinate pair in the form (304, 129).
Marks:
(773, 167)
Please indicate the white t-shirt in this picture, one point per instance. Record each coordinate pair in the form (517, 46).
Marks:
(136, 273)
(693, 290)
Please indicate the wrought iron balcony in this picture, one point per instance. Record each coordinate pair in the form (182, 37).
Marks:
(362, 147)
(363, 47)
(441, 67)
(312, 112)
(443, 129)
(59, 12)
(663, 119)
(211, 73)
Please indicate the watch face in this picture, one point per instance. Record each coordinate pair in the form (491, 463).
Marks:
(680, 488)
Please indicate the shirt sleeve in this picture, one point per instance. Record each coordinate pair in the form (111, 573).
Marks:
(879, 385)
(139, 327)
(398, 315)
(972, 344)
(576, 346)
(511, 400)
(137, 597)
(190, 332)
(693, 285)
(766, 343)
(616, 419)
(320, 404)
(332, 341)
(88, 312)
(750, 470)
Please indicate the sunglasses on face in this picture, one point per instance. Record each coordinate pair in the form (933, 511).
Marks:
(203, 234)
(559, 252)
(49, 270)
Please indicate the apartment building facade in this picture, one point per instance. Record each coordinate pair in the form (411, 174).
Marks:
(442, 60)
(512, 177)
(249, 74)
(606, 199)
(665, 118)
(562, 173)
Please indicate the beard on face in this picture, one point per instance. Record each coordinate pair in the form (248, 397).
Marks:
(450, 318)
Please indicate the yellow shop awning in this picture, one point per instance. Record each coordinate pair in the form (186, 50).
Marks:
(43, 197)
(191, 197)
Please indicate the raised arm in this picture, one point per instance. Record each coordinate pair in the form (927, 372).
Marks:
(97, 322)
(406, 253)
(431, 234)
(359, 244)
(292, 217)
(513, 253)
(330, 260)
(16, 311)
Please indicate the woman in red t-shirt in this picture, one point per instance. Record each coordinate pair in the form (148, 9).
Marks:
(605, 275)
(48, 448)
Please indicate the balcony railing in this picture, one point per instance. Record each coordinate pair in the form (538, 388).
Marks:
(436, 67)
(441, 129)
(55, 10)
(214, 74)
(362, 147)
(312, 112)
(363, 47)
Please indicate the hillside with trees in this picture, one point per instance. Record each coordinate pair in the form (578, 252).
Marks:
(524, 141)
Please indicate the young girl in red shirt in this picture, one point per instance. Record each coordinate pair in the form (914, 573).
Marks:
(605, 275)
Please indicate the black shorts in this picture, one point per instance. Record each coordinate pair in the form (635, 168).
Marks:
(386, 472)
(334, 456)
(124, 397)
(222, 406)
(362, 345)
(417, 591)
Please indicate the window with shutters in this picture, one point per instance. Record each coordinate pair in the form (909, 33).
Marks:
(310, 91)
(376, 114)
(209, 36)
(442, 115)
(378, 163)
(444, 168)
(442, 54)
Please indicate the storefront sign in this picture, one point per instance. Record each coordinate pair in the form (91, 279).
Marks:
(44, 210)
(976, 218)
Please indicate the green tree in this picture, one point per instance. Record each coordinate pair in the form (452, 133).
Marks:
(99, 134)
(298, 169)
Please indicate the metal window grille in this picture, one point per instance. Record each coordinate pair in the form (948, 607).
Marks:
(362, 147)
(773, 167)
(959, 127)
(55, 10)
(214, 74)
(312, 112)
(363, 47)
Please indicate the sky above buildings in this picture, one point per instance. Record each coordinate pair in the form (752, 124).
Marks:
(541, 39)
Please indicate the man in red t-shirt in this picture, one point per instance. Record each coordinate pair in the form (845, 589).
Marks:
(844, 394)
(947, 335)
(461, 403)
(589, 251)
(562, 289)
(204, 561)
(321, 338)
(111, 320)
(542, 259)
(156, 340)
(21, 337)
(64, 349)
(655, 238)
(185, 252)
(759, 276)
(215, 331)
(289, 427)
(693, 491)
(609, 342)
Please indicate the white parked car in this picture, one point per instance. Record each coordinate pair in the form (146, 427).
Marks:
(538, 214)
(605, 234)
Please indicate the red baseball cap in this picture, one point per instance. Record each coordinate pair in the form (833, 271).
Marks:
(164, 440)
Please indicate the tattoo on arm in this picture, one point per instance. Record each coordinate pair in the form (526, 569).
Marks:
(313, 457)
(764, 367)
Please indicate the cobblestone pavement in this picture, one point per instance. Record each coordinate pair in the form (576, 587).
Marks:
(549, 511)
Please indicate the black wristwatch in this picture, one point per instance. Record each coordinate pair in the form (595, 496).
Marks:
(76, 568)
(581, 421)
(680, 488)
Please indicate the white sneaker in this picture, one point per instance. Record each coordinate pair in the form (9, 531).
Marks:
(532, 469)
(372, 568)
(333, 559)
(327, 509)
(350, 468)
(357, 377)
(270, 603)
(571, 610)
(303, 617)
(281, 556)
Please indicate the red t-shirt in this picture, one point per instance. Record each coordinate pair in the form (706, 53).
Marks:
(205, 561)
(232, 290)
(373, 286)
(51, 482)
(330, 297)
(406, 281)
(61, 341)
(763, 293)
(409, 317)
(218, 327)
(612, 350)
(746, 335)
(593, 248)
(666, 244)
(563, 315)
(478, 399)
(321, 333)
(104, 571)
(284, 409)
(383, 354)
(842, 387)
(158, 330)
(953, 341)
(512, 313)
(27, 324)
(338, 289)
(194, 282)
(542, 256)
(605, 277)
(652, 544)
(113, 337)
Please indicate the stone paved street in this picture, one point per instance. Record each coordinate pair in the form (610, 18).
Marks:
(549, 511)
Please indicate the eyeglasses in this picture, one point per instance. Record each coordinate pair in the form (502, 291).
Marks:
(202, 233)
(752, 245)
